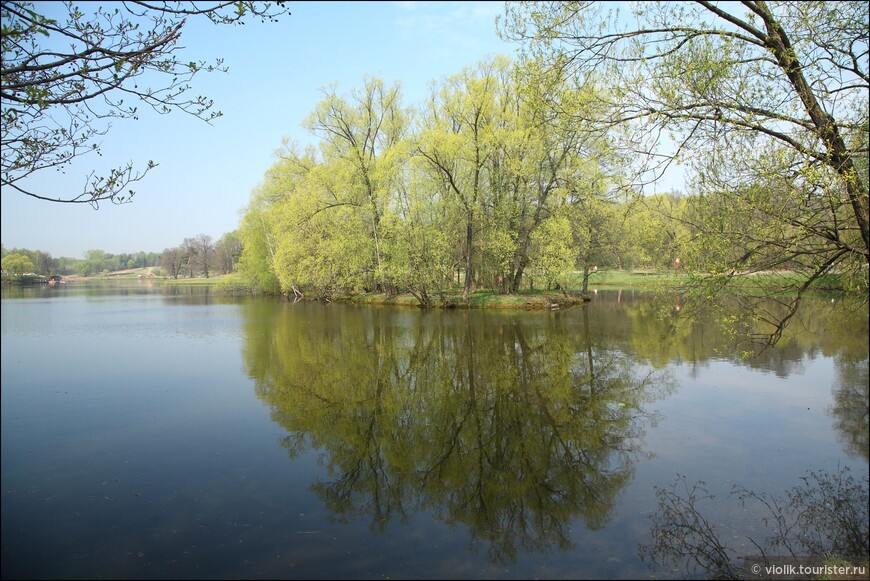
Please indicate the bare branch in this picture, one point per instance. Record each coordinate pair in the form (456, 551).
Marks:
(55, 102)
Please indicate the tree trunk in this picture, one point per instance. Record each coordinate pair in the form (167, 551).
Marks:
(521, 260)
(826, 128)
(469, 240)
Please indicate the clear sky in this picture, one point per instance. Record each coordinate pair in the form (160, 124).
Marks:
(206, 172)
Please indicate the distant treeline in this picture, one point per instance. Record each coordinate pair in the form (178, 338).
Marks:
(196, 256)
(95, 262)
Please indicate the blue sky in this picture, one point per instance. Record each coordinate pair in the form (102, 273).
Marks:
(206, 173)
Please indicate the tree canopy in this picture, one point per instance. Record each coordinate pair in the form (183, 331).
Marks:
(780, 87)
(765, 103)
(472, 187)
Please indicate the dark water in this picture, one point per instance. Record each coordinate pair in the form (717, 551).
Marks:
(171, 433)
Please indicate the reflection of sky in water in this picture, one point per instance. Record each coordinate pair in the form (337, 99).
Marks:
(748, 427)
(133, 445)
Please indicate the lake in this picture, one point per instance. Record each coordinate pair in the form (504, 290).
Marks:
(156, 432)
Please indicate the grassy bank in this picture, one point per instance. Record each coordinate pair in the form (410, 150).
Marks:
(628, 279)
(211, 281)
(765, 282)
(480, 299)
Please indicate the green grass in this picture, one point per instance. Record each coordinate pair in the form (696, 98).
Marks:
(764, 283)
(212, 280)
(480, 299)
(404, 299)
(628, 279)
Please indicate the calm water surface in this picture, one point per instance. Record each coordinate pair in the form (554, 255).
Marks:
(171, 433)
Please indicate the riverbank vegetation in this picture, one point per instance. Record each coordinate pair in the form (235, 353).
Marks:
(514, 177)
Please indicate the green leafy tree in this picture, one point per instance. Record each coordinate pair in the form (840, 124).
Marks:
(554, 254)
(598, 234)
(766, 104)
(554, 159)
(374, 205)
(65, 78)
(458, 141)
(316, 222)
(361, 141)
(417, 247)
(657, 231)
(508, 162)
(321, 238)
(258, 239)
(95, 261)
(17, 264)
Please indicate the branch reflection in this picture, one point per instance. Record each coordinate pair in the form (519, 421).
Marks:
(824, 517)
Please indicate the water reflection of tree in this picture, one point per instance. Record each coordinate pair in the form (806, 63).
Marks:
(852, 404)
(822, 328)
(825, 516)
(510, 426)
(662, 335)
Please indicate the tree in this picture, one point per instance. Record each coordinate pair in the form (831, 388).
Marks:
(377, 205)
(63, 81)
(43, 262)
(204, 252)
(189, 249)
(457, 142)
(227, 251)
(774, 98)
(95, 261)
(508, 162)
(172, 259)
(317, 236)
(657, 230)
(416, 239)
(554, 255)
(361, 141)
(323, 207)
(16, 264)
(257, 236)
(558, 161)
(597, 233)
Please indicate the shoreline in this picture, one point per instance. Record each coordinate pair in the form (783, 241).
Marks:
(483, 299)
